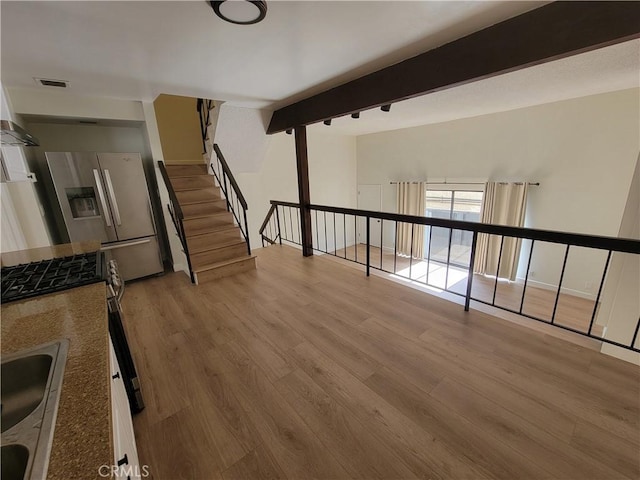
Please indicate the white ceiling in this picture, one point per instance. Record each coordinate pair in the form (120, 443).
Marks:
(137, 50)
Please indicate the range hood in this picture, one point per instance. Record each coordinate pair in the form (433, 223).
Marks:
(12, 134)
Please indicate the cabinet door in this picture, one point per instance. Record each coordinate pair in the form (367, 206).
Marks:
(14, 165)
(124, 443)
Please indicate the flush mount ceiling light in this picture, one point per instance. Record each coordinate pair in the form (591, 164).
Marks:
(240, 12)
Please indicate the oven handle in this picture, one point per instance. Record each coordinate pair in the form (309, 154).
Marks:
(105, 210)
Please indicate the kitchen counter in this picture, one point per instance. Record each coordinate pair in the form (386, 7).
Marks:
(82, 439)
(44, 253)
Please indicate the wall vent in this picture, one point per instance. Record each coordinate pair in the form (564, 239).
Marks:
(50, 82)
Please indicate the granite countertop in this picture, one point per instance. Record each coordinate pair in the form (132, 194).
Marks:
(82, 440)
(55, 251)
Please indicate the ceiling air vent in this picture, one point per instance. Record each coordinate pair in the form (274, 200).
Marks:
(50, 82)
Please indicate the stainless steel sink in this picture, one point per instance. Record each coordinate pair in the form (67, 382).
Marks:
(14, 461)
(31, 382)
(24, 382)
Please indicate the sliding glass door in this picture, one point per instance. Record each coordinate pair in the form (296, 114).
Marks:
(452, 205)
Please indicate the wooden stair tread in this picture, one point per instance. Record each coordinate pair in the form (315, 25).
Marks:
(220, 244)
(213, 266)
(216, 211)
(186, 170)
(209, 257)
(218, 229)
(205, 215)
(192, 182)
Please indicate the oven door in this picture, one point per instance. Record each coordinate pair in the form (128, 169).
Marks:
(123, 353)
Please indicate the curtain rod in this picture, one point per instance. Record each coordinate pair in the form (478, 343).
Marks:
(534, 184)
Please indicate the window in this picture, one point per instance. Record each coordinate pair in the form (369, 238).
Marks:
(462, 205)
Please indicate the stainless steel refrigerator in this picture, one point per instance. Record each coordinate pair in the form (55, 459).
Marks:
(104, 196)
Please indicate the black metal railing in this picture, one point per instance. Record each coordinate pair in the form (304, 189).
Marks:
(236, 203)
(204, 107)
(177, 217)
(359, 236)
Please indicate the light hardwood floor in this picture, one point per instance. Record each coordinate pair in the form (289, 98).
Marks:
(572, 311)
(306, 368)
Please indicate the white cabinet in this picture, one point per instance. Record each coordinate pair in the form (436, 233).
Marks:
(124, 441)
(14, 165)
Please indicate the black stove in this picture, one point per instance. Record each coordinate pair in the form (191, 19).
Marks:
(48, 276)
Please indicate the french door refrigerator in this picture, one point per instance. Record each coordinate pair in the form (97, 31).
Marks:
(104, 196)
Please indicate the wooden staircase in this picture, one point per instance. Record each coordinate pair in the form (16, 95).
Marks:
(215, 244)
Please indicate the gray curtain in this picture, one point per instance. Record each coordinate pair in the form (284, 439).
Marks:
(411, 201)
(503, 204)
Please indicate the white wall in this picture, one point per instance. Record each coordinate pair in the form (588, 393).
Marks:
(240, 134)
(582, 151)
(620, 306)
(179, 259)
(47, 102)
(332, 175)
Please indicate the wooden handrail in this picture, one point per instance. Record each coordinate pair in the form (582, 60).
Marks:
(230, 176)
(172, 194)
(625, 245)
(266, 219)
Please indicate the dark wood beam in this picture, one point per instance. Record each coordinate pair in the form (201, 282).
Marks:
(302, 161)
(551, 32)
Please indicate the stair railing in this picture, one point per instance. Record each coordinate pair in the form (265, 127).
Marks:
(204, 107)
(236, 203)
(359, 236)
(177, 217)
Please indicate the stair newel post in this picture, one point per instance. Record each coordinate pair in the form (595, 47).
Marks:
(278, 221)
(368, 244)
(302, 161)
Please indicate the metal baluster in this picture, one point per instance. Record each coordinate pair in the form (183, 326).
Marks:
(344, 232)
(326, 248)
(246, 229)
(472, 260)
(335, 243)
(291, 224)
(395, 250)
(226, 188)
(526, 276)
(284, 212)
(317, 235)
(381, 242)
(635, 335)
(368, 244)
(564, 264)
(355, 231)
(595, 305)
(411, 252)
(446, 272)
(426, 280)
(278, 220)
(495, 285)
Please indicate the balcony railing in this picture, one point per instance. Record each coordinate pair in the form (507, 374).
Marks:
(371, 239)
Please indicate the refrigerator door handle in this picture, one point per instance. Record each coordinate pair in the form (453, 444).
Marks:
(112, 196)
(107, 217)
(124, 244)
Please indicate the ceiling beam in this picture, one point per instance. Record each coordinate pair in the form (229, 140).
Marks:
(551, 32)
